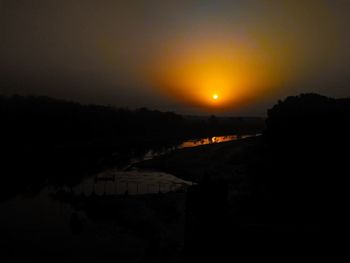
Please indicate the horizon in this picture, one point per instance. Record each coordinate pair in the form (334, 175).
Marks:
(184, 114)
(116, 107)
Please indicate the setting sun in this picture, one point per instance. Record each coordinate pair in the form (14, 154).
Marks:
(215, 74)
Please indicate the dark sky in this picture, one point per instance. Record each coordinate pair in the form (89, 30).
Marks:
(175, 55)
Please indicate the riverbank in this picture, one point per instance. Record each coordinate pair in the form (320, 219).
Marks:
(219, 161)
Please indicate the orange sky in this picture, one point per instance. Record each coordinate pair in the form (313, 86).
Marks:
(174, 55)
(247, 62)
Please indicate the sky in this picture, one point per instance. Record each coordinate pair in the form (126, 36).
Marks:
(194, 57)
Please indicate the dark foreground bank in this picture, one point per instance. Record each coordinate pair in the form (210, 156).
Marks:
(281, 196)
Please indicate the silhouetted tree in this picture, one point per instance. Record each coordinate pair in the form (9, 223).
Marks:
(308, 136)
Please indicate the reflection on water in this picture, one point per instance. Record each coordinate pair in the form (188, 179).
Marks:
(210, 140)
(135, 181)
(151, 153)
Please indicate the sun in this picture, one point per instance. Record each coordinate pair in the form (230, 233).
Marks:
(215, 96)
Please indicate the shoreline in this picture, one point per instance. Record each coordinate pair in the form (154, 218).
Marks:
(223, 161)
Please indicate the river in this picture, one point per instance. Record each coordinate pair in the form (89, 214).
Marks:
(44, 222)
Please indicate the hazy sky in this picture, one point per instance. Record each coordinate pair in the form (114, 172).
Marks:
(174, 55)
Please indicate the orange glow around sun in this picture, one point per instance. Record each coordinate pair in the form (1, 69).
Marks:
(219, 74)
